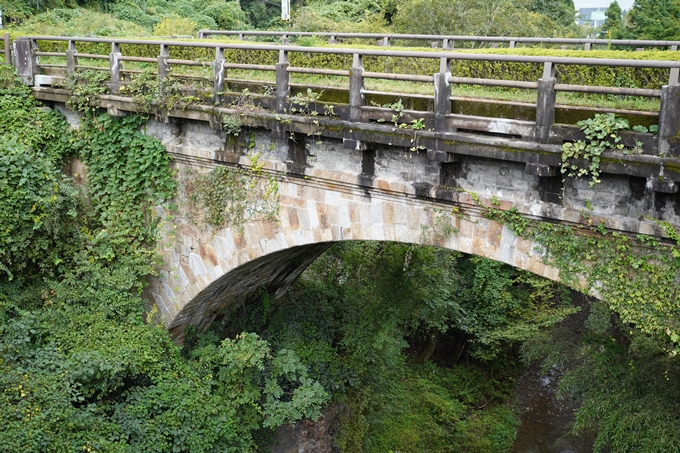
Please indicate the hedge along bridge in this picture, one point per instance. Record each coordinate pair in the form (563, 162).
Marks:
(446, 41)
(342, 174)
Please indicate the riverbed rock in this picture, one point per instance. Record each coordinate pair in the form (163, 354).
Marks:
(307, 436)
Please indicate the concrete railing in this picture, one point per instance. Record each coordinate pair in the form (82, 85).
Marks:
(6, 49)
(446, 41)
(27, 60)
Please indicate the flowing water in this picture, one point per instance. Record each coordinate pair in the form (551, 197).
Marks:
(547, 421)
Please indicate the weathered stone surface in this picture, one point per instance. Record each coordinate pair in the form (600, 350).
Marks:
(383, 192)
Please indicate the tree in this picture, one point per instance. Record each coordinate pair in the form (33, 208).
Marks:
(613, 26)
(654, 19)
(561, 11)
(486, 18)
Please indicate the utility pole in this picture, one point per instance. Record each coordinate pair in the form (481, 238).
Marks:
(285, 9)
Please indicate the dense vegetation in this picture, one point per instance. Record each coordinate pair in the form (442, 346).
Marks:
(418, 346)
(647, 19)
(82, 369)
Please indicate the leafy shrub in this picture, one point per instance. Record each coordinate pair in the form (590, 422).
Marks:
(175, 26)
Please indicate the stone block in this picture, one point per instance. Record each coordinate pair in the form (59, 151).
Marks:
(551, 273)
(494, 235)
(649, 228)
(196, 264)
(465, 245)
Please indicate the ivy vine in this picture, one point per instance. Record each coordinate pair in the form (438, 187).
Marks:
(232, 196)
(636, 276)
(602, 134)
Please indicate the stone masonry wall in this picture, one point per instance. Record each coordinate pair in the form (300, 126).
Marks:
(328, 193)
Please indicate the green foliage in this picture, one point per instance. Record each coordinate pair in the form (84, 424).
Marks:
(630, 395)
(79, 22)
(84, 87)
(266, 389)
(364, 314)
(175, 26)
(626, 383)
(38, 207)
(560, 11)
(601, 135)
(38, 203)
(80, 369)
(153, 95)
(495, 18)
(634, 276)
(429, 408)
(653, 19)
(229, 196)
(505, 306)
(127, 168)
(613, 26)
(344, 16)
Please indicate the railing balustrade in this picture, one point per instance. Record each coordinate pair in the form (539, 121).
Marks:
(448, 42)
(27, 60)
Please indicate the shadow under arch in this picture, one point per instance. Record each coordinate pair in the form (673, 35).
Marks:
(277, 271)
(206, 270)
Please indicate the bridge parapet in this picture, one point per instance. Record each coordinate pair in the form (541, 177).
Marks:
(537, 123)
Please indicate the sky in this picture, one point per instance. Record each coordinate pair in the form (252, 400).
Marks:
(624, 4)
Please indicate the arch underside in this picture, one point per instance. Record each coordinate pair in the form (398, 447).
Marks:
(213, 269)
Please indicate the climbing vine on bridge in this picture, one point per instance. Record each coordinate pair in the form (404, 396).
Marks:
(636, 276)
(232, 196)
(82, 366)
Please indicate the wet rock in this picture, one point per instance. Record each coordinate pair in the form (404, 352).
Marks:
(307, 436)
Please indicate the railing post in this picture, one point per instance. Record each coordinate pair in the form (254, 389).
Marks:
(545, 103)
(219, 75)
(284, 40)
(512, 44)
(587, 46)
(669, 115)
(356, 99)
(115, 65)
(24, 57)
(71, 60)
(356, 88)
(445, 43)
(442, 95)
(332, 40)
(163, 66)
(8, 49)
(282, 81)
(282, 92)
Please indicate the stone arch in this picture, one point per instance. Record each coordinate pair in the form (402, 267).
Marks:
(207, 270)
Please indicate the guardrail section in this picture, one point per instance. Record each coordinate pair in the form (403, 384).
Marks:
(437, 114)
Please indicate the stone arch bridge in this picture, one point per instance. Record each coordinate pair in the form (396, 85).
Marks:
(357, 175)
(382, 191)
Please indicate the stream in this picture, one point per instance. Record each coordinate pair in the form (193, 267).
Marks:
(547, 421)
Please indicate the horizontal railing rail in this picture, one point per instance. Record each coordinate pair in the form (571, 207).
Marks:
(28, 56)
(447, 41)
